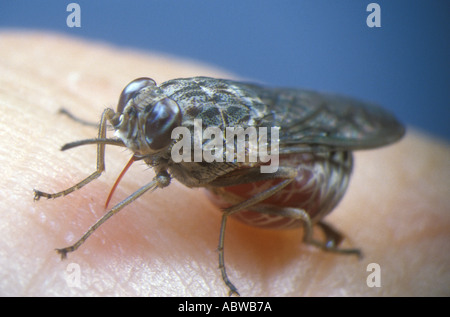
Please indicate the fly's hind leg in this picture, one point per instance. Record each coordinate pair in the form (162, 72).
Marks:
(332, 240)
(332, 237)
(107, 114)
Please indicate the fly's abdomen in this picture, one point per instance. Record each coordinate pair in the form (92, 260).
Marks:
(321, 182)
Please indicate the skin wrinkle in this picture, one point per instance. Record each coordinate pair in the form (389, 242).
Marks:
(160, 233)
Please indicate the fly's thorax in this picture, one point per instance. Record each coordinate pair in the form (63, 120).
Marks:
(217, 102)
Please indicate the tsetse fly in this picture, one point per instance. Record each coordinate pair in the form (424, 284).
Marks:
(315, 136)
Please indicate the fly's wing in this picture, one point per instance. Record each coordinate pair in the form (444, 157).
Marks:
(310, 120)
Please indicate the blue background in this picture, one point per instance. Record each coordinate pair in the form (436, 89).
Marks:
(320, 44)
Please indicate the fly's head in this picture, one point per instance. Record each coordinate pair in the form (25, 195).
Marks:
(145, 118)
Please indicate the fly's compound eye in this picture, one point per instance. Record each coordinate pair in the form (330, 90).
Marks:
(132, 89)
(164, 116)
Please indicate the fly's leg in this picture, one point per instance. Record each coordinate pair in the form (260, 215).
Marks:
(289, 175)
(79, 120)
(233, 289)
(332, 236)
(107, 115)
(332, 240)
(160, 181)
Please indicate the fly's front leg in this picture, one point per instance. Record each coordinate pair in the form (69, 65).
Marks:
(160, 181)
(107, 115)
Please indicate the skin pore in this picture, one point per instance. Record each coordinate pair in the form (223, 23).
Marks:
(165, 243)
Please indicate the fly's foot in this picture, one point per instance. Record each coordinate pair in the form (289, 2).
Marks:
(332, 240)
(38, 194)
(63, 252)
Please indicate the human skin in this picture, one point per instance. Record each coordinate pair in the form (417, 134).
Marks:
(165, 243)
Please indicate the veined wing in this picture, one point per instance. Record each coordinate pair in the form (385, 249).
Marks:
(310, 118)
